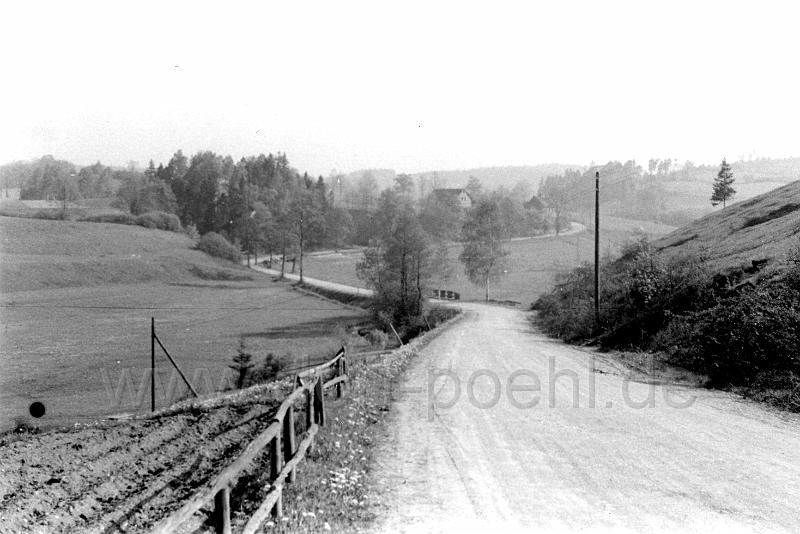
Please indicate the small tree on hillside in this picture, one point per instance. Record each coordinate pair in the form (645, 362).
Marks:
(242, 363)
(68, 190)
(483, 234)
(557, 194)
(723, 185)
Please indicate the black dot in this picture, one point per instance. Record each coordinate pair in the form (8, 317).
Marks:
(37, 409)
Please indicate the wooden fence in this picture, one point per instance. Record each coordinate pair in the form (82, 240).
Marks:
(285, 454)
(445, 294)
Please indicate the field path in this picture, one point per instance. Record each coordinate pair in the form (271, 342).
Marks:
(720, 464)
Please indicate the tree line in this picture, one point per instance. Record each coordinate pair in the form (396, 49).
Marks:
(263, 205)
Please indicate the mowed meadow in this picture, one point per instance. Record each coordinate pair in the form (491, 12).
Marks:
(75, 306)
(531, 265)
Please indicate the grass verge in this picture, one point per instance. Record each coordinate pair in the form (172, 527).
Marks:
(332, 490)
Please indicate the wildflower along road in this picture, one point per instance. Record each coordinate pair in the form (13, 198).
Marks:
(496, 424)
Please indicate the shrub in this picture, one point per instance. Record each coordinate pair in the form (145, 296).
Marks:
(160, 220)
(567, 312)
(437, 315)
(739, 335)
(215, 245)
(268, 370)
(191, 231)
(779, 389)
(744, 335)
(378, 338)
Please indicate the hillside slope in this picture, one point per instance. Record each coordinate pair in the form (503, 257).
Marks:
(77, 303)
(40, 254)
(763, 227)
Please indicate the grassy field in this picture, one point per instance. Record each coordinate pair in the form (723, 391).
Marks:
(75, 209)
(75, 310)
(531, 264)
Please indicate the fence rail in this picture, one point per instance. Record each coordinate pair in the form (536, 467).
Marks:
(445, 294)
(285, 455)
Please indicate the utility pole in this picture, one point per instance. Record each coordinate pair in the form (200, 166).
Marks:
(597, 248)
(246, 217)
(152, 364)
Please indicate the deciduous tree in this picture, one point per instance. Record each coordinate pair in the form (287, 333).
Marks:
(483, 234)
(397, 264)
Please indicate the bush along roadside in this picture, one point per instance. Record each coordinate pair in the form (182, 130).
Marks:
(741, 332)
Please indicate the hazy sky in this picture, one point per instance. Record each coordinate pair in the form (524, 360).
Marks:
(406, 85)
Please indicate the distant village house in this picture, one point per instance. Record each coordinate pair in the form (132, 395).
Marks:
(459, 196)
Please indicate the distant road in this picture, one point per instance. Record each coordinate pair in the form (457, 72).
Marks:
(359, 291)
(574, 228)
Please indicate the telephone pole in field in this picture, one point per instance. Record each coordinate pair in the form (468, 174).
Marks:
(597, 248)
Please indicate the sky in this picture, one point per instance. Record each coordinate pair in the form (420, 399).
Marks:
(411, 86)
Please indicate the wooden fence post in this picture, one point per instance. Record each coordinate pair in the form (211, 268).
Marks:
(339, 372)
(396, 334)
(310, 419)
(289, 440)
(319, 403)
(275, 471)
(310, 412)
(222, 511)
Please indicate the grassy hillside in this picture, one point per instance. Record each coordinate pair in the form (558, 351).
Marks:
(720, 297)
(763, 227)
(76, 304)
(37, 254)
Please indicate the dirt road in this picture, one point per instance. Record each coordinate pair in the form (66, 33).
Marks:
(352, 290)
(597, 458)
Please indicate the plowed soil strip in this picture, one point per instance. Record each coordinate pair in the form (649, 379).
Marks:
(127, 474)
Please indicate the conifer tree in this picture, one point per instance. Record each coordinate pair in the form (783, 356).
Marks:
(723, 185)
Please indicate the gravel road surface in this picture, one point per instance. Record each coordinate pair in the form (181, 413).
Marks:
(601, 457)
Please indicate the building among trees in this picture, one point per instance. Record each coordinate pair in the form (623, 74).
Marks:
(460, 196)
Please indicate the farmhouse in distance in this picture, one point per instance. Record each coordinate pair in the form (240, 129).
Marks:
(460, 196)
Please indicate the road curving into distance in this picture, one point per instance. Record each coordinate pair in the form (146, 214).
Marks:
(498, 426)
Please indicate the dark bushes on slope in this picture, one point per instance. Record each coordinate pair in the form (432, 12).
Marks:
(215, 245)
(744, 336)
(160, 220)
